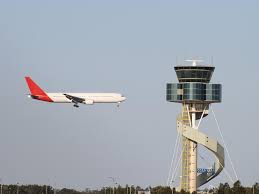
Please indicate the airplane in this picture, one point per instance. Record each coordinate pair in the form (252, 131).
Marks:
(76, 98)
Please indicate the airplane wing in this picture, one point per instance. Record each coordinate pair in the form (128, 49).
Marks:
(74, 98)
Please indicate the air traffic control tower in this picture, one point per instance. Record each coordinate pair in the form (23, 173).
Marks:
(195, 93)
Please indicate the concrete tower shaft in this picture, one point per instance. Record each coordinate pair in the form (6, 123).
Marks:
(195, 93)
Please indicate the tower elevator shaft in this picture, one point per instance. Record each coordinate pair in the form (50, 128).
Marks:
(189, 151)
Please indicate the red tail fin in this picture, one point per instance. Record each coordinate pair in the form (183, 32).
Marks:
(36, 91)
(34, 88)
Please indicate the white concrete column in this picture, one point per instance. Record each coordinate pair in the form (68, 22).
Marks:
(193, 157)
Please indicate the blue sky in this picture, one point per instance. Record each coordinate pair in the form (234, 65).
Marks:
(128, 47)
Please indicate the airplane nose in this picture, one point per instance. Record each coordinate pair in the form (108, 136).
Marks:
(123, 98)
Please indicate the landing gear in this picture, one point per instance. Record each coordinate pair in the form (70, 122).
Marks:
(76, 105)
(118, 104)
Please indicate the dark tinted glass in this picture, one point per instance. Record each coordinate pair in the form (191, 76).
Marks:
(194, 73)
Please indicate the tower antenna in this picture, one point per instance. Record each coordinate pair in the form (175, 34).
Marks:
(212, 61)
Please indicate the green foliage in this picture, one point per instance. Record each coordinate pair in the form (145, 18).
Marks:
(238, 188)
(161, 190)
(225, 188)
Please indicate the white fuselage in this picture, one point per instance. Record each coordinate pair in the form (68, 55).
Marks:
(90, 98)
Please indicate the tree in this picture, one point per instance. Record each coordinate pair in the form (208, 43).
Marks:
(227, 189)
(237, 188)
(221, 188)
